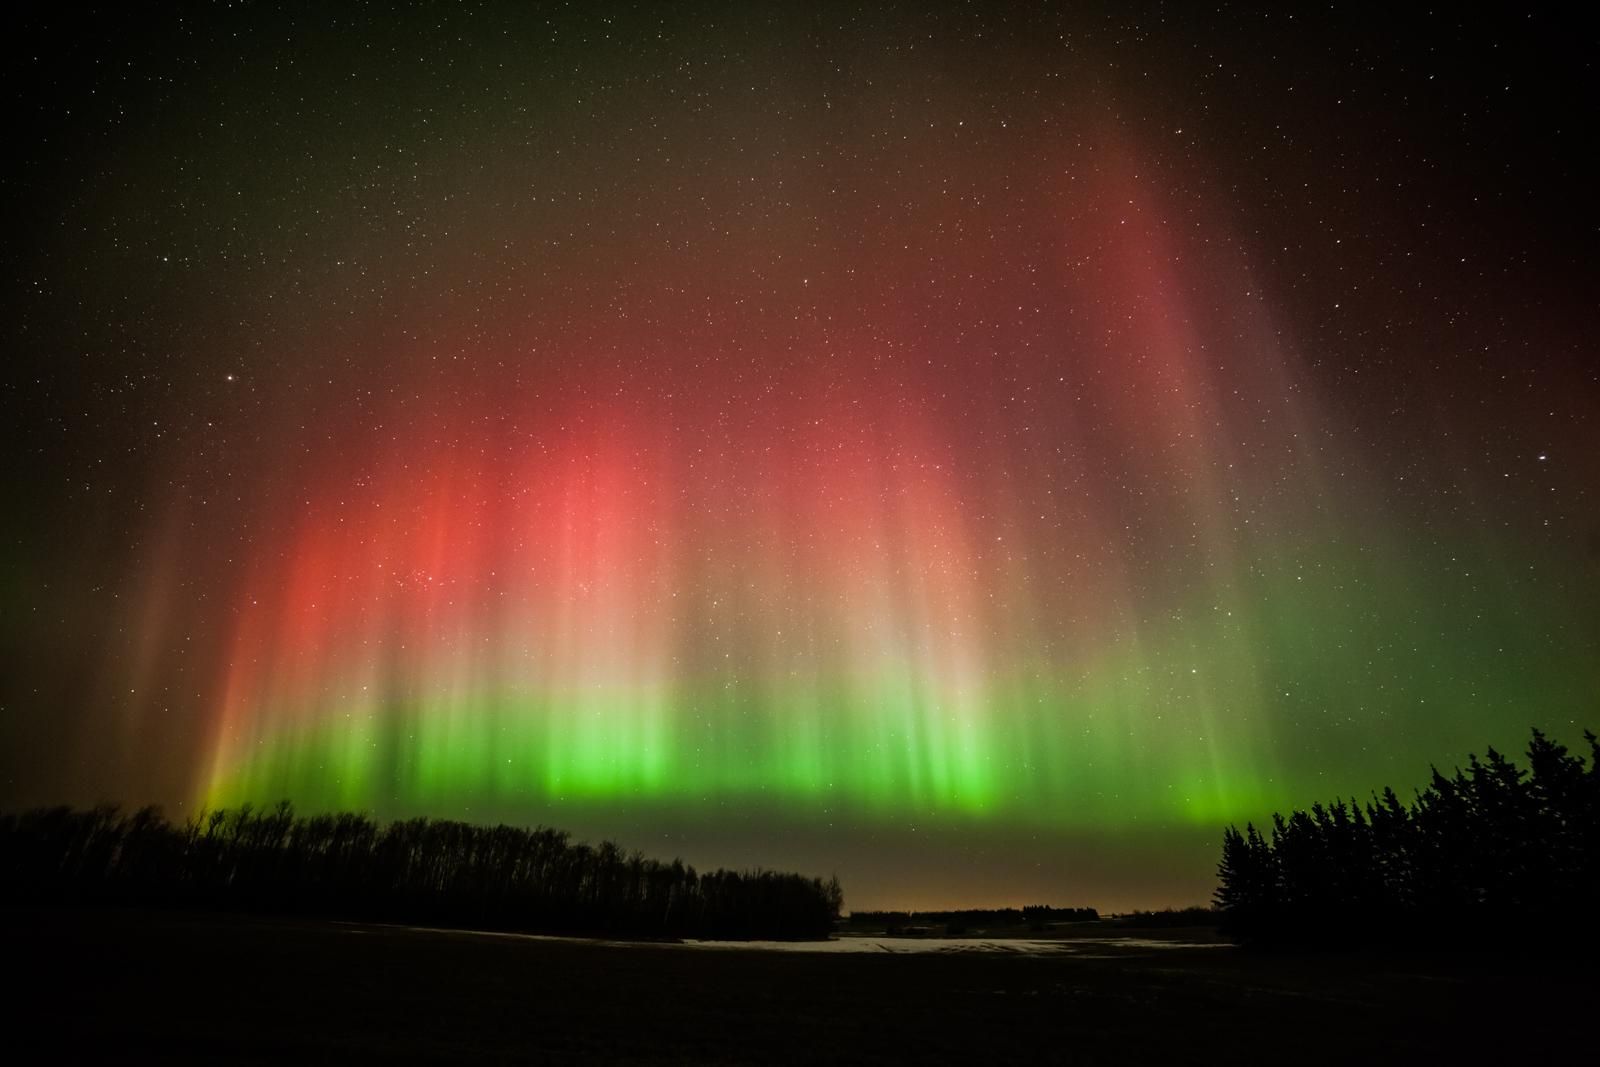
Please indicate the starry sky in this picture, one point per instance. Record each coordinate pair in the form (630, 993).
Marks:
(976, 451)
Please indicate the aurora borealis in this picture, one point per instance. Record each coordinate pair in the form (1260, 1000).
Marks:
(977, 455)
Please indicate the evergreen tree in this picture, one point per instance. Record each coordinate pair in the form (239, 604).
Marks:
(1487, 846)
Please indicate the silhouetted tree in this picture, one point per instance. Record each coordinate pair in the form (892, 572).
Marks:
(416, 870)
(1488, 845)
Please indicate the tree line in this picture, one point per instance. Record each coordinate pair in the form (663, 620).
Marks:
(1037, 916)
(424, 871)
(1490, 846)
(1171, 917)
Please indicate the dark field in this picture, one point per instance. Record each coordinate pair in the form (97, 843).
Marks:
(98, 986)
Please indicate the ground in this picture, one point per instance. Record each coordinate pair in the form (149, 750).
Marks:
(97, 985)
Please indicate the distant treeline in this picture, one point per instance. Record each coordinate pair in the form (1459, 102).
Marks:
(956, 922)
(1195, 916)
(431, 872)
(1492, 846)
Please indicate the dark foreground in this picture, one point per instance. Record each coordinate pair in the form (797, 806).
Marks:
(118, 986)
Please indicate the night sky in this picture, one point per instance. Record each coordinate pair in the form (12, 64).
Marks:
(977, 454)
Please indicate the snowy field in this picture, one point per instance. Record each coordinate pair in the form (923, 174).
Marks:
(1087, 947)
